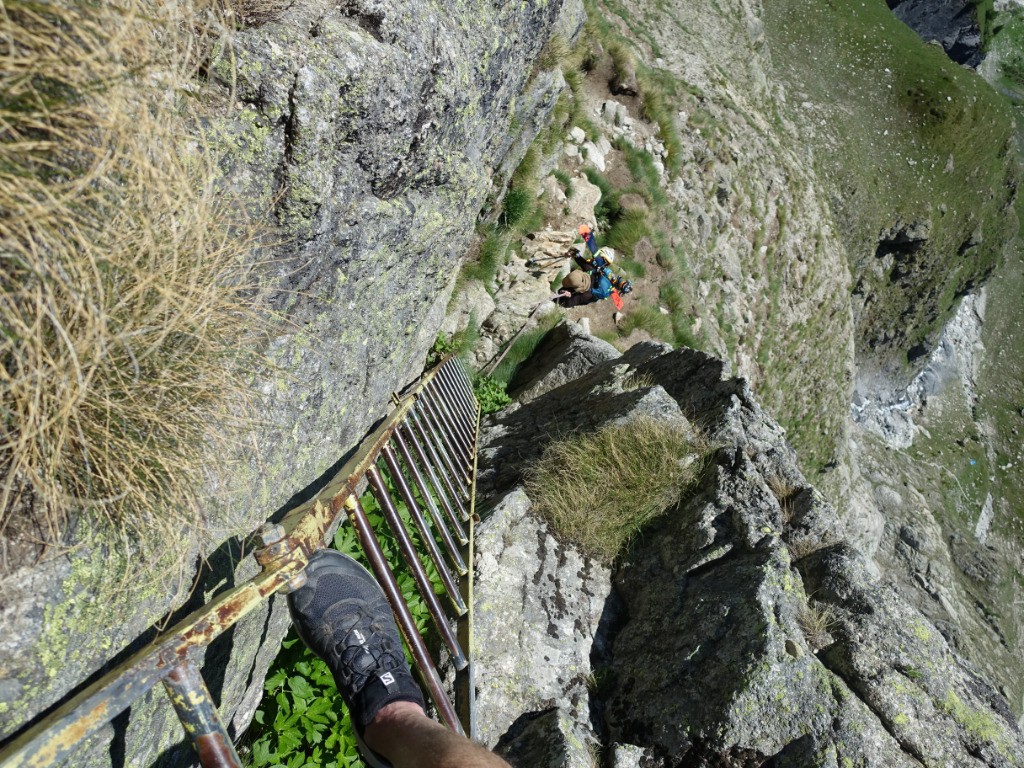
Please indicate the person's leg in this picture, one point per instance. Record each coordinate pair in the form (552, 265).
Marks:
(410, 739)
(342, 615)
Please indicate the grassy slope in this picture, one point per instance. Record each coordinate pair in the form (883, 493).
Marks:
(896, 111)
(887, 150)
(789, 311)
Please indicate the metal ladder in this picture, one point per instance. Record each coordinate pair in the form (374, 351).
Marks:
(423, 456)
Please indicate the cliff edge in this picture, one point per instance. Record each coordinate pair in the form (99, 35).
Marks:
(741, 630)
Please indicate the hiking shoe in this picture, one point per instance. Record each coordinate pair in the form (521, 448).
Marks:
(342, 616)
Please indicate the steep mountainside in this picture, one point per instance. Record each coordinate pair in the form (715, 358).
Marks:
(824, 195)
(739, 629)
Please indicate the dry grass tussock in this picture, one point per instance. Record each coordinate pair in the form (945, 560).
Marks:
(817, 621)
(123, 303)
(599, 489)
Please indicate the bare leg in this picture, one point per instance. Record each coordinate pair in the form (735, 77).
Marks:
(409, 739)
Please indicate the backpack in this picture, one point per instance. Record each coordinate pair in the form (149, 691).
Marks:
(600, 285)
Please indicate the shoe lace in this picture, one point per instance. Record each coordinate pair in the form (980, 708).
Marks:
(365, 649)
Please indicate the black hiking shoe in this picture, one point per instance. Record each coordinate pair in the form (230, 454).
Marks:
(342, 615)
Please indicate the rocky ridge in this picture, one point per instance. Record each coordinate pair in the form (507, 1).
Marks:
(954, 25)
(893, 466)
(745, 631)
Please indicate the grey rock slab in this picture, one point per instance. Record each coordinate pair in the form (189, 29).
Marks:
(548, 739)
(585, 196)
(932, 700)
(538, 604)
(472, 303)
(953, 23)
(565, 354)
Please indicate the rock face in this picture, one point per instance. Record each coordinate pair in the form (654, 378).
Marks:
(745, 630)
(953, 23)
(537, 600)
(370, 133)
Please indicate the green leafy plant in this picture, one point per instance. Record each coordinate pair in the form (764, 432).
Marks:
(459, 343)
(490, 394)
(303, 721)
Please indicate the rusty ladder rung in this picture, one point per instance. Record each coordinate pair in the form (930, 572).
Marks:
(428, 447)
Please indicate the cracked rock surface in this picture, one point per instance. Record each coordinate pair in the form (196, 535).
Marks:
(743, 629)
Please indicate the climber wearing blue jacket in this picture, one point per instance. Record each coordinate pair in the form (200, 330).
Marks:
(594, 280)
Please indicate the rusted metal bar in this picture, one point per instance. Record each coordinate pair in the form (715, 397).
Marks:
(284, 553)
(464, 380)
(461, 421)
(54, 738)
(386, 579)
(465, 681)
(445, 490)
(457, 394)
(459, 444)
(439, 492)
(445, 441)
(192, 701)
(438, 453)
(419, 574)
(450, 472)
(451, 586)
(450, 375)
(451, 548)
(463, 426)
(458, 378)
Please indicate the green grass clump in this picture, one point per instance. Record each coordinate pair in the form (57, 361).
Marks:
(679, 316)
(557, 53)
(493, 254)
(607, 209)
(600, 489)
(986, 15)
(632, 267)
(641, 167)
(523, 347)
(516, 208)
(1012, 67)
(627, 230)
(648, 319)
(656, 101)
(565, 181)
